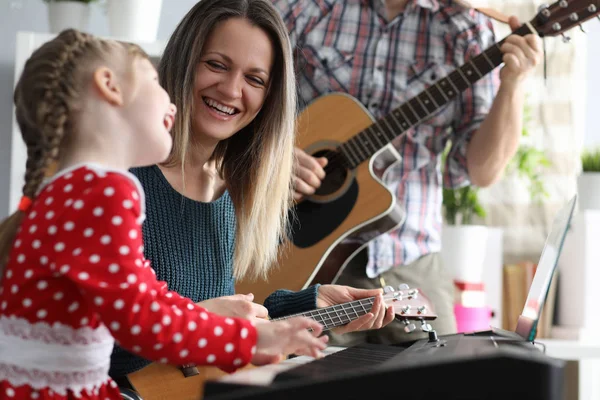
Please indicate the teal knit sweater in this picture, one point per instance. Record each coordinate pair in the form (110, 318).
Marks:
(190, 245)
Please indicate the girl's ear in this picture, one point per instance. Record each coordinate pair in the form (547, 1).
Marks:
(106, 83)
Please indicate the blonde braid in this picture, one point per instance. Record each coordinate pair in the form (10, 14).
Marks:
(52, 75)
(52, 117)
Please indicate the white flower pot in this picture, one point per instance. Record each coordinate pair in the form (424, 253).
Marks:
(134, 20)
(588, 190)
(68, 14)
(464, 250)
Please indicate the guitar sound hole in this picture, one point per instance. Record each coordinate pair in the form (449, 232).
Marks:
(311, 222)
(335, 170)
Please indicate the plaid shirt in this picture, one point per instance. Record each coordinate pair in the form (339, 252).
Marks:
(349, 46)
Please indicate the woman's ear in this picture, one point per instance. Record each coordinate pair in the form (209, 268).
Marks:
(107, 85)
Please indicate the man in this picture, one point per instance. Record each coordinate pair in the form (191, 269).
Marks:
(384, 52)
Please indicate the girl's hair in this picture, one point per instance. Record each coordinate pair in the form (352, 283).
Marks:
(256, 163)
(48, 99)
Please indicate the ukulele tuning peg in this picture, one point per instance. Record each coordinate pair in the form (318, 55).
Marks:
(425, 327)
(409, 327)
(566, 39)
(582, 30)
(388, 289)
(403, 286)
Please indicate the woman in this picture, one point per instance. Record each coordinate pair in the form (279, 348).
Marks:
(218, 206)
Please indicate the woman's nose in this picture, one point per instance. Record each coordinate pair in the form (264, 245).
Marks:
(231, 86)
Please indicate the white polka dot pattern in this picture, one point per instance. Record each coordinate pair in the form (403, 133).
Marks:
(94, 246)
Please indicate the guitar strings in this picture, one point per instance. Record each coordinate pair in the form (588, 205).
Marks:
(348, 162)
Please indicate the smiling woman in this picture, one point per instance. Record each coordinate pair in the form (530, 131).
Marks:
(232, 80)
(233, 85)
(218, 206)
(228, 69)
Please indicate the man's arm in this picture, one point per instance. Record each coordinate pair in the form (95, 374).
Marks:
(497, 139)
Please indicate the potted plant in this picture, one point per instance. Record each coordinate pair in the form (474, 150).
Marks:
(463, 241)
(64, 14)
(464, 237)
(134, 20)
(588, 182)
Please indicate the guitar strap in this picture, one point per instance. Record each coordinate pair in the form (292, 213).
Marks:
(487, 11)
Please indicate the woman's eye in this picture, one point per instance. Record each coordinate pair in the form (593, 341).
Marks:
(256, 80)
(215, 64)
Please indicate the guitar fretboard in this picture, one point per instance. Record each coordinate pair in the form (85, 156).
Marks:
(338, 315)
(364, 144)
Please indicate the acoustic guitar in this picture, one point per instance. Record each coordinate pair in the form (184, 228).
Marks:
(161, 381)
(352, 206)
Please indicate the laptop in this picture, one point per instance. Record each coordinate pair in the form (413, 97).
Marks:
(538, 291)
(494, 364)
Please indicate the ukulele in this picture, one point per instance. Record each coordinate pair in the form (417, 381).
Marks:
(162, 381)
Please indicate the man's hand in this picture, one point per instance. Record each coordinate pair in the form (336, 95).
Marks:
(309, 173)
(521, 55)
(379, 316)
(238, 305)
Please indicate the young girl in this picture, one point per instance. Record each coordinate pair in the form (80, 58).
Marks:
(75, 275)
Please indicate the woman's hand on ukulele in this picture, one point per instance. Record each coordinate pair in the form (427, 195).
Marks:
(308, 173)
(238, 305)
(378, 317)
(298, 335)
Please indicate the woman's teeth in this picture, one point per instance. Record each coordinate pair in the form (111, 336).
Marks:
(219, 107)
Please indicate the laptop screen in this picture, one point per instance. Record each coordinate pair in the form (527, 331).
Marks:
(528, 320)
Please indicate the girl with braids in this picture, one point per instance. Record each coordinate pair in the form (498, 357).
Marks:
(74, 275)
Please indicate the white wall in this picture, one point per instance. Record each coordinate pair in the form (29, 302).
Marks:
(31, 15)
(592, 126)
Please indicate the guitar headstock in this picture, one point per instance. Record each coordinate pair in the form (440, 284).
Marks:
(563, 15)
(410, 304)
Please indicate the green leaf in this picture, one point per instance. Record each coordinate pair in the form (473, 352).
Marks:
(590, 160)
(461, 205)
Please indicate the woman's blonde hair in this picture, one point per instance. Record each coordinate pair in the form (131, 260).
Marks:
(48, 98)
(256, 163)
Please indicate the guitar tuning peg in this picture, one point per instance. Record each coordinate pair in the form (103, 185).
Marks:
(403, 286)
(566, 39)
(388, 289)
(581, 27)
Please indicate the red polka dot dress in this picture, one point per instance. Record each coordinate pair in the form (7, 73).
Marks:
(76, 280)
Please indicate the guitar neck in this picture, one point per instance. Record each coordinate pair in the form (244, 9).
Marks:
(338, 315)
(364, 144)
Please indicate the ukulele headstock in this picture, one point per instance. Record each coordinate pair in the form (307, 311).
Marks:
(410, 304)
